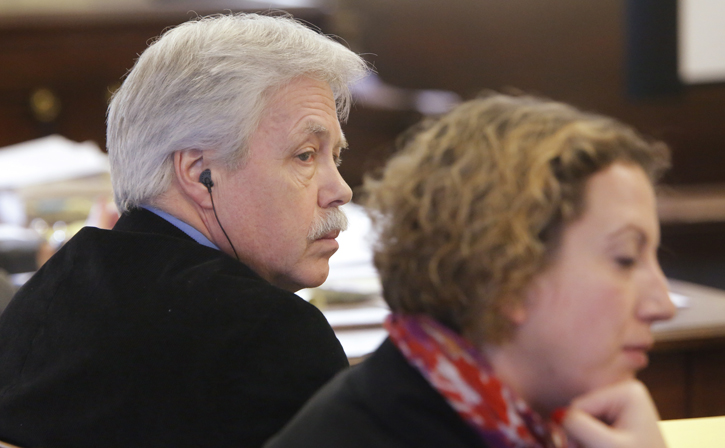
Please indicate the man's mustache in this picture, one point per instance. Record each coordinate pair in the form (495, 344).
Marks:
(331, 220)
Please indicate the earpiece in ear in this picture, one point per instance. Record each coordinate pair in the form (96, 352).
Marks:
(205, 178)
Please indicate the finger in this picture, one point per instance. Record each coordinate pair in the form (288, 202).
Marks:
(590, 432)
(623, 403)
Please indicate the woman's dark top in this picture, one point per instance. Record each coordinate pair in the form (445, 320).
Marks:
(381, 403)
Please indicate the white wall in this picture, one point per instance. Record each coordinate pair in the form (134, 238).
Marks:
(701, 41)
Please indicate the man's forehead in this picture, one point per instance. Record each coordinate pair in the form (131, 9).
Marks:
(318, 129)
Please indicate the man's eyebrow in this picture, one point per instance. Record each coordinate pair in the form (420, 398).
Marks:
(312, 127)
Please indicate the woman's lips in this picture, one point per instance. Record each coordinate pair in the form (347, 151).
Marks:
(637, 354)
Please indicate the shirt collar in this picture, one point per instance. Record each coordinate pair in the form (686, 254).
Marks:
(181, 225)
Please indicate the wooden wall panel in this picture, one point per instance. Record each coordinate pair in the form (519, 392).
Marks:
(79, 58)
(667, 378)
(708, 383)
(568, 50)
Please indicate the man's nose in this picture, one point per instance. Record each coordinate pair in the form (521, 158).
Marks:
(334, 191)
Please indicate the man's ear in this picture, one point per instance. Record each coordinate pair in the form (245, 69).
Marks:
(188, 166)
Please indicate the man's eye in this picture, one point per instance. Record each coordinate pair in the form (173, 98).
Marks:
(306, 156)
(625, 262)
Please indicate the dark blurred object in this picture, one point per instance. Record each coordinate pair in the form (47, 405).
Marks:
(652, 48)
(694, 252)
(6, 290)
(19, 249)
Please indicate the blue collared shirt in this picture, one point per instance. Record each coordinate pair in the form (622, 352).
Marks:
(184, 227)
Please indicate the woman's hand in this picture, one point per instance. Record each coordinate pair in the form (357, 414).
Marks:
(618, 416)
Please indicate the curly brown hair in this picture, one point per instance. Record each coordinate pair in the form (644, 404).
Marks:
(471, 207)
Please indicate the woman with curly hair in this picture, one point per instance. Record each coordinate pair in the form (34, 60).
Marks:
(517, 248)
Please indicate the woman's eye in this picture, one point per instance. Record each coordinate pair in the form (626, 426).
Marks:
(625, 262)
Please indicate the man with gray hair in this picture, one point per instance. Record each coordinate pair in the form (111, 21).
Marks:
(180, 327)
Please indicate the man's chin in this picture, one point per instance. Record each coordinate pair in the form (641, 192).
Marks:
(309, 279)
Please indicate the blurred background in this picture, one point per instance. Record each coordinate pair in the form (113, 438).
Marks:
(658, 65)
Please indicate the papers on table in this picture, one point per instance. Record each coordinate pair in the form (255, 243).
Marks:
(49, 159)
(357, 317)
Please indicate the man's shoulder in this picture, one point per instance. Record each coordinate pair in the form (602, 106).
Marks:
(180, 266)
(138, 279)
(153, 253)
(144, 271)
(150, 247)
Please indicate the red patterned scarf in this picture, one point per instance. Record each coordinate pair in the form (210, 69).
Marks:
(460, 373)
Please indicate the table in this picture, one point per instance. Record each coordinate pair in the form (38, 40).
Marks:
(706, 432)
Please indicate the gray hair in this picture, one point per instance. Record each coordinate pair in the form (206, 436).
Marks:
(204, 85)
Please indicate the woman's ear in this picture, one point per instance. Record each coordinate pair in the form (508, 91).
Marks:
(516, 312)
(188, 166)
